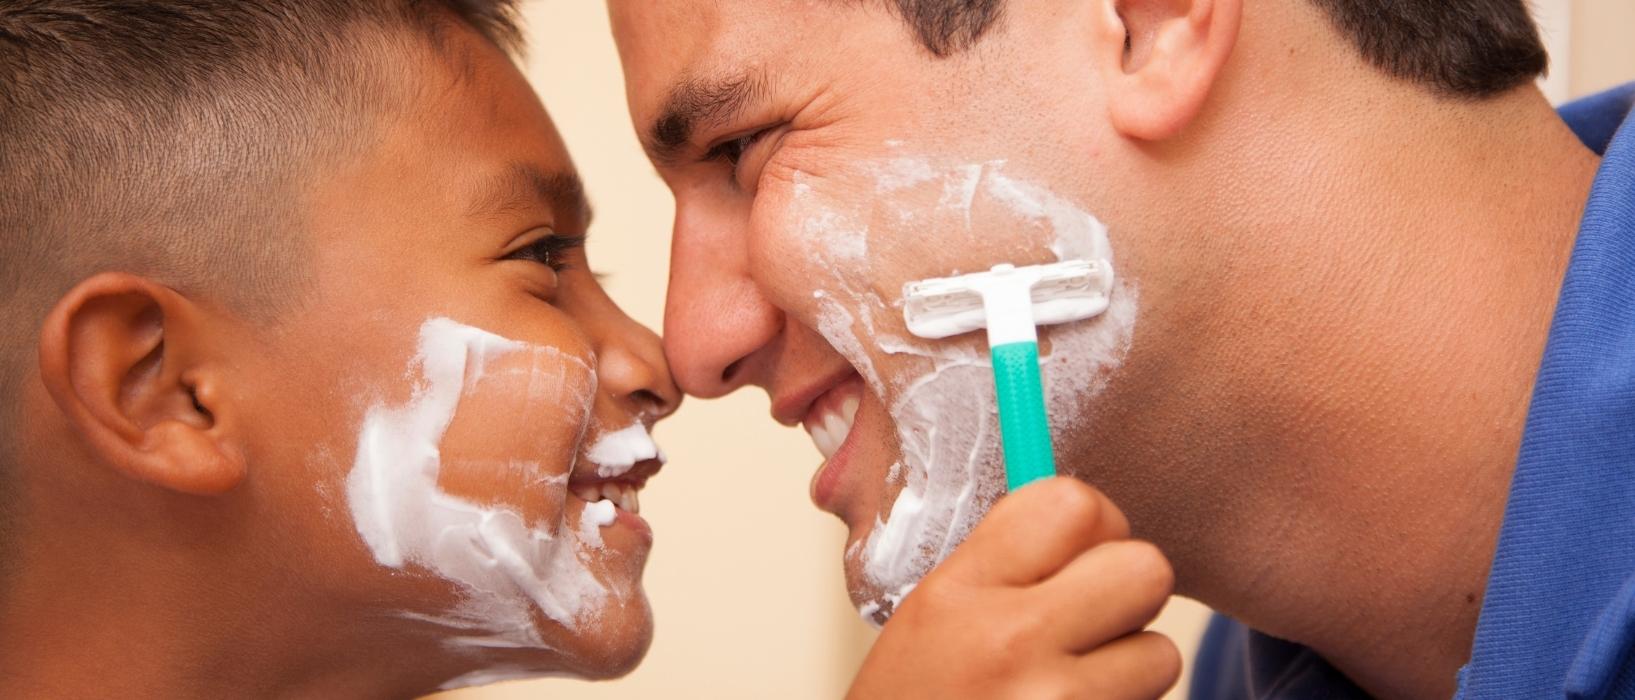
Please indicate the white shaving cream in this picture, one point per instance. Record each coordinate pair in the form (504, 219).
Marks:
(504, 567)
(621, 450)
(951, 468)
(597, 516)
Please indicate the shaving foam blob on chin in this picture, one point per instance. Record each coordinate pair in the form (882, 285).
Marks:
(505, 568)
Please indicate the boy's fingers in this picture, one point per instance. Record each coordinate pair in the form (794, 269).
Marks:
(1034, 532)
(1110, 591)
(1141, 666)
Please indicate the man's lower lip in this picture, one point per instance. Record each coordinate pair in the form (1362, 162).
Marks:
(826, 485)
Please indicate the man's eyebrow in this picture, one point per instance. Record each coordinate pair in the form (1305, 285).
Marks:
(523, 184)
(696, 104)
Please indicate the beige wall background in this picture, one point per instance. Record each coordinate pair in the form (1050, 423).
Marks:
(745, 578)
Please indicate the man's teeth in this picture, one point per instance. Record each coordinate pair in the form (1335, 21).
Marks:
(622, 495)
(830, 429)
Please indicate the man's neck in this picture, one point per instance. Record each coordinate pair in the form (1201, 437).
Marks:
(1417, 251)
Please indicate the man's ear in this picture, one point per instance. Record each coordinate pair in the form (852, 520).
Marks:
(1161, 58)
(128, 363)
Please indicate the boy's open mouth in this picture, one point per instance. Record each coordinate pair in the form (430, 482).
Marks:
(616, 465)
(621, 490)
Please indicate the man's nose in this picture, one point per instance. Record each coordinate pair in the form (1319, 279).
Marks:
(715, 317)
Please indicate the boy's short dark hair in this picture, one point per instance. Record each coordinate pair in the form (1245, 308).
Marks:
(169, 138)
(1462, 48)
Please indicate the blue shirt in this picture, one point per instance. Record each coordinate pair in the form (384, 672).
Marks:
(1558, 617)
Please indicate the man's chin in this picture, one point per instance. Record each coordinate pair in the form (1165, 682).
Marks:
(858, 587)
(863, 498)
(874, 603)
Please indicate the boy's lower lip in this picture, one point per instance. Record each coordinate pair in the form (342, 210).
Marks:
(624, 519)
(636, 523)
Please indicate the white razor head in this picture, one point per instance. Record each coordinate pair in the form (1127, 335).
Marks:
(1061, 292)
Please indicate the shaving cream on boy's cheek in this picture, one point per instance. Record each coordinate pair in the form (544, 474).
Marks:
(505, 566)
(940, 394)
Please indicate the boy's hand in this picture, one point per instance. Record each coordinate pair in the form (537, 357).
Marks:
(1047, 598)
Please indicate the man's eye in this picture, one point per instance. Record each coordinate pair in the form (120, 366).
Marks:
(730, 152)
(550, 251)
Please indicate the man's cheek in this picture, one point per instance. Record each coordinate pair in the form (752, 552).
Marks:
(871, 225)
(514, 438)
(864, 230)
(936, 220)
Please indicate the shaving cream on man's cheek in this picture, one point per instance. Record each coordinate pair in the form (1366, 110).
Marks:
(505, 566)
(940, 393)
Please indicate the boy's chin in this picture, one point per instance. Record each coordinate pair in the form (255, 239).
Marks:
(617, 643)
(610, 648)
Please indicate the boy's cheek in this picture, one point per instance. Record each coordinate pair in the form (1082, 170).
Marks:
(516, 432)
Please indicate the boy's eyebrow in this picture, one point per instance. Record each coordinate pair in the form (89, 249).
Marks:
(524, 184)
(695, 104)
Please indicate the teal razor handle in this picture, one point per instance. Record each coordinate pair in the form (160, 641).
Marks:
(1024, 428)
(1011, 302)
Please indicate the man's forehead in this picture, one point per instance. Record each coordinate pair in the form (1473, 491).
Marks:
(692, 66)
(667, 43)
(659, 39)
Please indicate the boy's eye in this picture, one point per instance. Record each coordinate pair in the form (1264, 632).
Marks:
(551, 250)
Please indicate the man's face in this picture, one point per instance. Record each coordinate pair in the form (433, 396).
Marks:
(458, 413)
(820, 159)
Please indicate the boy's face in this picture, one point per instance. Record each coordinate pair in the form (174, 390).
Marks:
(820, 160)
(436, 424)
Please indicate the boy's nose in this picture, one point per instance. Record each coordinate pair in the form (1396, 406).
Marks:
(633, 371)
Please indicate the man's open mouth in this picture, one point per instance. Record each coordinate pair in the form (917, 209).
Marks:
(829, 421)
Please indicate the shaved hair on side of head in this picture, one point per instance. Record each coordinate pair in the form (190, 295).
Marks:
(946, 27)
(174, 139)
(1457, 48)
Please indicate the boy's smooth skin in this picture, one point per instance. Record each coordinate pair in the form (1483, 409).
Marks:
(177, 456)
(1346, 280)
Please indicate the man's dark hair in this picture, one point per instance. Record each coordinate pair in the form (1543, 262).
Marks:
(169, 138)
(948, 26)
(1461, 48)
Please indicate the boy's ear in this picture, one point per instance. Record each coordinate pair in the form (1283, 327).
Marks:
(1160, 58)
(129, 362)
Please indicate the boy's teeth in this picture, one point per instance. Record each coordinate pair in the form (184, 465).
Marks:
(627, 500)
(848, 410)
(620, 494)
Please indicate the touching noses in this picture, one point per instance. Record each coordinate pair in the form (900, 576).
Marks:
(715, 317)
